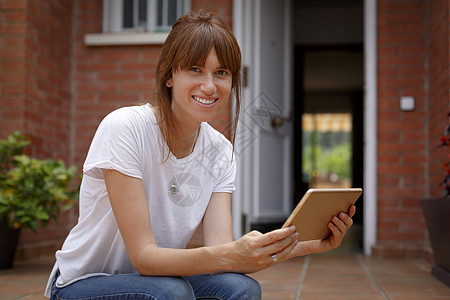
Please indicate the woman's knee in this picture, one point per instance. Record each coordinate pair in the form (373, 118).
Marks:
(175, 288)
(241, 286)
(127, 286)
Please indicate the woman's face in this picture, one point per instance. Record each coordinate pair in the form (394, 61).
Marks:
(199, 92)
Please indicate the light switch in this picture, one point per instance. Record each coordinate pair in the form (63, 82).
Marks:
(407, 103)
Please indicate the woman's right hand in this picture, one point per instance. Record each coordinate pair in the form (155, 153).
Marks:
(254, 251)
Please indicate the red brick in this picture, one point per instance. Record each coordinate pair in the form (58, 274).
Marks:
(388, 225)
(96, 87)
(16, 41)
(400, 82)
(414, 158)
(388, 72)
(388, 181)
(118, 77)
(403, 214)
(388, 203)
(388, 159)
(400, 61)
(413, 72)
(384, 18)
(413, 28)
(398, 125)
(401, 236)
(412, 203)
(401, 38)
(96, 67)
(10, 16)
(401, 170)
(388, 115)
(400, 192)
(121, 54)
(391, 93)
(418, 226)
(13, 4)
(135, 86)
(388, 7)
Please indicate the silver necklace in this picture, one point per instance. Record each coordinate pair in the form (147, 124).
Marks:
(174, 187)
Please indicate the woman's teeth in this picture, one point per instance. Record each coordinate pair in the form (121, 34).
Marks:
(204, 101)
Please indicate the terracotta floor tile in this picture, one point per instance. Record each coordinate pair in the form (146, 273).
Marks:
(338, 285)
(315, 277)
(419, 297)
(340, 297)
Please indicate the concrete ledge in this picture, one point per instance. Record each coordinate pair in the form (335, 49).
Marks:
(121, 39)
(32, 251)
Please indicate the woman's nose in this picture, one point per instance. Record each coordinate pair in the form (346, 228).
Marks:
(208, 85)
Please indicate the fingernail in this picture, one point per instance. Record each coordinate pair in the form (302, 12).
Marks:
(292, 228)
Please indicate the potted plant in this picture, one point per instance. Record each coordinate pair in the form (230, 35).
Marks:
(32, 191)
(437, 212)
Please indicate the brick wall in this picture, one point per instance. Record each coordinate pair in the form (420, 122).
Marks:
(402, 136)
(35, 73)
(56, 89)
(35, 70)
(439, 95)
(13, 53)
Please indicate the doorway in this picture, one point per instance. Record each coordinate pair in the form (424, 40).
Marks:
(281, 42)
(328, 105)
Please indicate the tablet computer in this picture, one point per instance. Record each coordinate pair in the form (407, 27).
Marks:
(316, 209)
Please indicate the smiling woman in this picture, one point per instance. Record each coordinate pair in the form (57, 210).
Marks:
(200, 92)
(154, 174)
(205, 50)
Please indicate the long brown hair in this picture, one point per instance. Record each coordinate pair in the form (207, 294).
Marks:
(188, 44)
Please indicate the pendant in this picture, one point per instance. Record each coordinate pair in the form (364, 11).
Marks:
(173, 188)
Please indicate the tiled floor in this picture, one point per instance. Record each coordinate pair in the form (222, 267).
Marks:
(314, 277)
(320, 277)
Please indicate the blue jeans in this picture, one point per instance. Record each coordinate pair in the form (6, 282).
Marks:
(135, 286)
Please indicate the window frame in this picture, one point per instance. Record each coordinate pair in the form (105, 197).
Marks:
(114, 35)
(113, 16)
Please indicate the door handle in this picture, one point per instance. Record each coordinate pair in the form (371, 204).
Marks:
(277, 121)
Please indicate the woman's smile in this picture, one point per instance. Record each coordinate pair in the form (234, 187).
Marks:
(199, 92)
(205, 101)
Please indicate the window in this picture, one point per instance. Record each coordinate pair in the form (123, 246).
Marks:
(142, 15)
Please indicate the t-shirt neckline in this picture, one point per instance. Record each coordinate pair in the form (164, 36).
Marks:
(172, 157)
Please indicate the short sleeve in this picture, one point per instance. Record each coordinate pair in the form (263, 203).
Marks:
(115, 146)
(226, 167)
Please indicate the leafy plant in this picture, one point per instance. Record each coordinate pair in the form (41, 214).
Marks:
(9, 148)
(32, 190)
(445, 141)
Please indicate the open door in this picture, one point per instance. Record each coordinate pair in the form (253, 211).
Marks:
(263, 147)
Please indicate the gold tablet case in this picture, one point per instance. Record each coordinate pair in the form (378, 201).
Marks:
(316, 209)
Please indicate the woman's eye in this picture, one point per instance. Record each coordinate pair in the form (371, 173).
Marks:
(194, 69)
(222, 72)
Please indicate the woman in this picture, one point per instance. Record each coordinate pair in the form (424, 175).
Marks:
(153, 174)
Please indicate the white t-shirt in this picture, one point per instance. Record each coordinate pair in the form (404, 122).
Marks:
(178, 191)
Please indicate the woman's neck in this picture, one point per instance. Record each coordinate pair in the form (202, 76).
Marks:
(187, 133)
(185, 144)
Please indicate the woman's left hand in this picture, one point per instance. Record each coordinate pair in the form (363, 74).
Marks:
(338, 225)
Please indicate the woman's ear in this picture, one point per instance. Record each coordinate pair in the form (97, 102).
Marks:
(169, 83)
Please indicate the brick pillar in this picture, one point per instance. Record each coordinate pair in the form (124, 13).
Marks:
(402, 28)
(35, 71)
